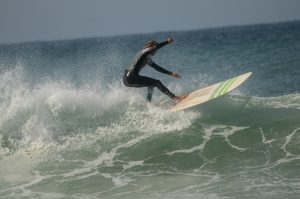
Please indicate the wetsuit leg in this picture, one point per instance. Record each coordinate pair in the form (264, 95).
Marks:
(142, 81)
(164, 89)
(149, 93)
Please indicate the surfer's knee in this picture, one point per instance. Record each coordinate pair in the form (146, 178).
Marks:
(158, 83)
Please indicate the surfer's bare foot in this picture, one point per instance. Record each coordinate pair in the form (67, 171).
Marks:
(179, 98)
(176, 98)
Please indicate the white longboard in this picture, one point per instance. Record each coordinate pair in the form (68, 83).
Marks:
(211, 92)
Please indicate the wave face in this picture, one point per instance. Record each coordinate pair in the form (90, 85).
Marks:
(69, 128)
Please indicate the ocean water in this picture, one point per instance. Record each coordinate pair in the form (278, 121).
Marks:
(70, 129)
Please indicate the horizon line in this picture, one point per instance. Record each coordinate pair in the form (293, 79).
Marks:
(145, 33)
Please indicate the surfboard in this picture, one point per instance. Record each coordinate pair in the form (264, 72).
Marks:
(211, 92)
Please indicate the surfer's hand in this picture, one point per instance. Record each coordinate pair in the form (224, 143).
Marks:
(175, 75)
(170, 40)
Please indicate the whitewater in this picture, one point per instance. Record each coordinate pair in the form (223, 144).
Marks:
(69, 128)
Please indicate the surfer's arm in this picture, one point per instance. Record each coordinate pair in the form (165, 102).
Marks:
(158, 68)
(162, 44)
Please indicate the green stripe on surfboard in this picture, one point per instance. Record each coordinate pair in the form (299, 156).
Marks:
(225, 90)
(222, 88)
(217, 90)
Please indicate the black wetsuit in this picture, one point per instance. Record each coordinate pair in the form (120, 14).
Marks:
(132, 78)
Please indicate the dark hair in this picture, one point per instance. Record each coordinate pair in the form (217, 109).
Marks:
(150, 44)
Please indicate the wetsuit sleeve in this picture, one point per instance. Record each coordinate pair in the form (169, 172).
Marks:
(158, 46)
(162, 44)
(158, 68)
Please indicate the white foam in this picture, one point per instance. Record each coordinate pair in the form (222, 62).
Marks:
(228, 131)
(36, 116)
(210, 133)
(133, 164)
(289, 157)
(288, 138)
(285, 101)
(16, 168)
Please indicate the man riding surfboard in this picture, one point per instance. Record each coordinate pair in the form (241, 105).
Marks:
(132, 78)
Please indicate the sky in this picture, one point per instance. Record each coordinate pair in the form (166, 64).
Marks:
(32, 20)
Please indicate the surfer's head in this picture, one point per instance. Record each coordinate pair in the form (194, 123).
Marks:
(150, 44)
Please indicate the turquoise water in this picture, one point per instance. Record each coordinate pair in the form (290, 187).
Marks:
(69, 128)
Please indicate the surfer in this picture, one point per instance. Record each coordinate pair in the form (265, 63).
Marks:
(132, 78)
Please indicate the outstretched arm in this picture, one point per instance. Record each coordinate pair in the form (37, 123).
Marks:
(162, 70)
(158, 68)
(162, 44)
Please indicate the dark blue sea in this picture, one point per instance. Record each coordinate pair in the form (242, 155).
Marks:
(70, 129)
